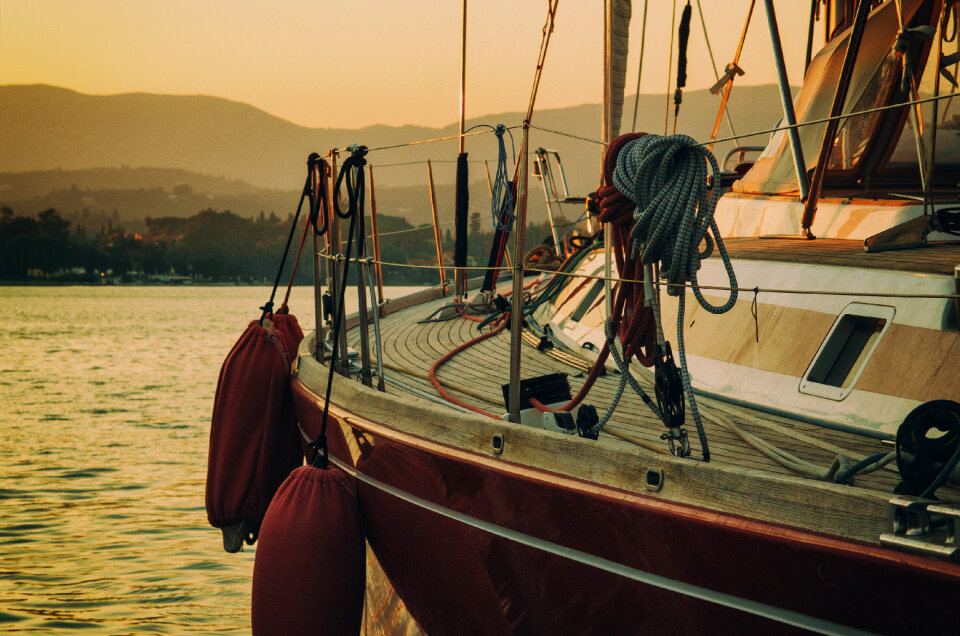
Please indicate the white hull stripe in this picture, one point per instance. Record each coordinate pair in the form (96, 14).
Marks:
(770, 612)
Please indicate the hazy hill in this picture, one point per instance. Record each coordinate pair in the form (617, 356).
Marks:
(37, 183)
(48, 128)
(103, 197)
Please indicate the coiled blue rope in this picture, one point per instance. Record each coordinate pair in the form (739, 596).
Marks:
(666, 177)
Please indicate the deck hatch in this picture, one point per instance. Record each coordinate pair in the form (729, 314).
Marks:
(587, 301)
(845, 351)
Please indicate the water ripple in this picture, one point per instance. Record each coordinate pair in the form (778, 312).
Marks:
(103, 459)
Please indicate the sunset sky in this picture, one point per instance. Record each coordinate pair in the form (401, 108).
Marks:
(360, 62)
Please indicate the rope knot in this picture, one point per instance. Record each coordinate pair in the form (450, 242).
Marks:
(358, 155)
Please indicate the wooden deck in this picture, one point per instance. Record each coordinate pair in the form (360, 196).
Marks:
(936, 258)
(410, 348)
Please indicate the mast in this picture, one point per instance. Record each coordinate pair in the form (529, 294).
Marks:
(516, 311)
(463, 75)
(616, 37)
(605, 137)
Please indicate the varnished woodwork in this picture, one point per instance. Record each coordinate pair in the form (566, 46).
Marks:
(936, 258)
(738, 481)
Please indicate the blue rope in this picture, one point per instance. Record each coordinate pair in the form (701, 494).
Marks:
(501, 203)
(666, 177)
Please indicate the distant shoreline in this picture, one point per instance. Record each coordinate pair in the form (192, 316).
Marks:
(15, 283)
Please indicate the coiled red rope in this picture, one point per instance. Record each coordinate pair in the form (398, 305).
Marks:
(632, 320)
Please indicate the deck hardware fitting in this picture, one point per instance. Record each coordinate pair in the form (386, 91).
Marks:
(653, 479)
(918, 525)
(498, 444)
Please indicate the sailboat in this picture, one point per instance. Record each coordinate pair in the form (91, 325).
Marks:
(765, 438)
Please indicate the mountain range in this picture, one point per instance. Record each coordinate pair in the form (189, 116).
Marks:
(55, 140)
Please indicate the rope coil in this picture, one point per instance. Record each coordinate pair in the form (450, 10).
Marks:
(666, 178)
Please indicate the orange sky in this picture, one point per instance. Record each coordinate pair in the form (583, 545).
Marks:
(358, 62)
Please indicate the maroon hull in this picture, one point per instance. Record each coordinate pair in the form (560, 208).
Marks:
(458, 579)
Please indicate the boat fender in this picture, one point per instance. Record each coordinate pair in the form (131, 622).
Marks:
(254, 440)
(928, 448)
(309, 571)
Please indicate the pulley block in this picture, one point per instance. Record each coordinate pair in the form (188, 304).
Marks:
(668, 388)
(927, 441)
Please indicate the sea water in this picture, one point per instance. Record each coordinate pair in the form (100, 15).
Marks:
(105, 402)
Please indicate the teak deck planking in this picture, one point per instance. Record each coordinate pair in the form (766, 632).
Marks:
(935, 258)
(484, 368)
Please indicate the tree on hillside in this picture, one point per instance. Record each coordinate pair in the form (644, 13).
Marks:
(33, 244)
(52, 226)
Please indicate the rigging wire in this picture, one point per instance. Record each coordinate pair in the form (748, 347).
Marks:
(783, 128)
(420, 142)
(643, 41)
(304, 194)
(425, 226)
(542, 57)
(657, 283)
(352, 171)
(499, 247)
(713, 64)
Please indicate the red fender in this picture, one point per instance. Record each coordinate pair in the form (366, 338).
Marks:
(254, 439)
(309, 571)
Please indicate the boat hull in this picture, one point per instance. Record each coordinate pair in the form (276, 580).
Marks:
(627, 562)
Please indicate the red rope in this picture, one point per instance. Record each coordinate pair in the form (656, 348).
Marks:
(632, 320)
(446, 357)
(461, 309)
(638, 333)
(283, 306)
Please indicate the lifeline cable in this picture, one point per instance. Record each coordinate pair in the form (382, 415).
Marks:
(677, 286)
(773, 613)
